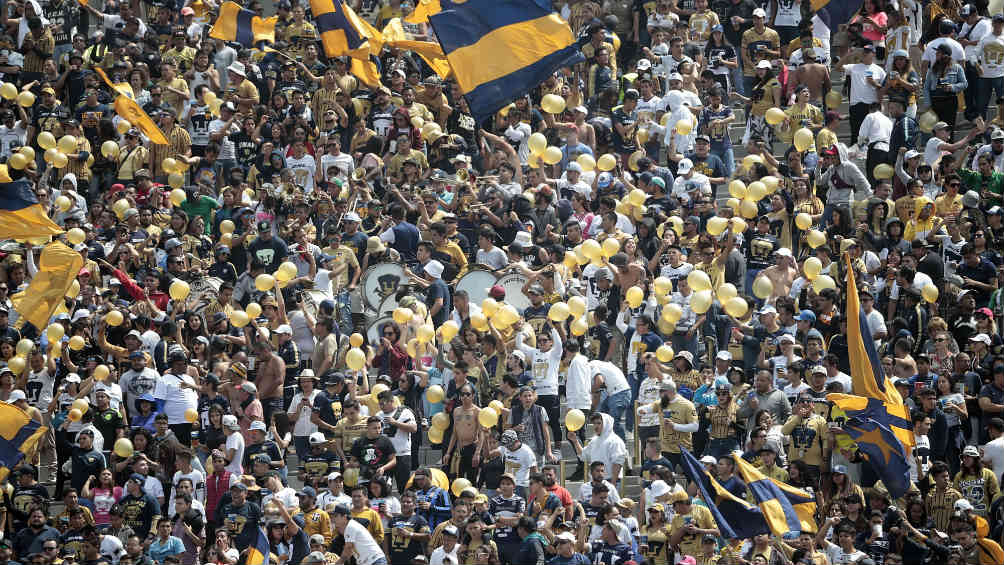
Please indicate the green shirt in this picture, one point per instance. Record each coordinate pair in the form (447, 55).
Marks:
(202, 206)
(974, 180)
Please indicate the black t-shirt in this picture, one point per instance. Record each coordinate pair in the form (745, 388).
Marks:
(626, 119)
(760, 250)
(372, 453)
(271, 253)
(48, 119)
(245, 148)
(404, 549)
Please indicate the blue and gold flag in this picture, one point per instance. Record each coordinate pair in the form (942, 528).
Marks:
(243, 26)
(736, 518)
(57, 269)
(784, 507)
(19, 437)
(885, 453)
(21, 216)
(500, 49)
(344, 33)
(258, 552)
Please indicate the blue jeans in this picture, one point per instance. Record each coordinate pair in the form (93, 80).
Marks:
(721, 447)
(343, 303)
(616, 406)
(984, 88)
(728, 157)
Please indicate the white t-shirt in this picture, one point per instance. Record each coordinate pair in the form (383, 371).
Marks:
(11, 139)
(837, 556)
(613, 377)
(153, 487)
(974, 33)
(367, 550)
(303, 169)
(993, 454)
(177, 399)
(343, 162)
(439, 555)
(861, 90)
(932, 151)
(920, 458)
(198, 482)
(235, 441)
(958, 52)
(401, 440)
(990, 55)
(519, 136)
(303, 426)
(287, 497)
(39, 389)
(519, 463)
(227, 150)
(111, 547)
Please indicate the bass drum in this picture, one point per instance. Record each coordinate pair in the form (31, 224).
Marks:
(203, 290)
(477, 283)
(373, 330)
(312, 301)
(513, 285)
(379, 282)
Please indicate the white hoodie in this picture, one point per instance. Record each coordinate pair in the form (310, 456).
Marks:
(607, 447)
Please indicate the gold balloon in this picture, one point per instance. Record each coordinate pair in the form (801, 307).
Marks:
(637, 197)
(823, 282)
(178, 196)
(606, 162)
(610, 247)
(774, 116)
(402, 315)
(114, 318)
(883, 171)
(757, 190)
(8, 91)
(574, 420)
(833, 99)
(580, 326)
(425, 333)
(46, 140)
(77, 343)
(81, 404)
(63, 203)
(592, 249)
(700, 301)
(926, 121)
(634, 296)
(264, 282)
(355, 359)
(440, 421)
(434, 394)
(750, 160)
(459, 484)
(55, 332)
(74, 415)
(930, 293)
(239, 318)
(559, 312)
(169, 164)
(815, 238)
(110, 149)
(699, 280)
(587, 162)
(176, 181)
(123, 448)
(101, 372)
(50, 155)
(60, 160)
(737, 189)
(736, 307)
(551, 155)
(803, 221)
(672, 313)
(537, 143)
(748, 209)
(662, 285)
(812, 267)
(67, 144)
(577, 306)
(356, 340)
(762, 287)
(448, 330)
(479, 322)
(18, 161)
(24, 347)
(803, 139)
(726, 291)
(488, 417)
(26, 99)
(17, 364)
(552, 104)
(227, 226)
(288, 269)
(76, 236)
(664, 353)
(634, 158)
(179, 289)
(191, 415)
(254, 310)
(123, 126)
(717, 225)
(684, 126)
(436, 436)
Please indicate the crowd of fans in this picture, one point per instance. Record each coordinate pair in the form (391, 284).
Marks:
(682, 212)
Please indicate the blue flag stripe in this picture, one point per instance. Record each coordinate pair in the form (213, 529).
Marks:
(474, 19)
(17, 195)
(735, 519)
(245, 28)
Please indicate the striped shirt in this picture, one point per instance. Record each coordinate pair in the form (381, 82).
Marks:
(723, 418)
(179, 142)
(940, 506)
(79, 167)
(321, 100)
(34, 59)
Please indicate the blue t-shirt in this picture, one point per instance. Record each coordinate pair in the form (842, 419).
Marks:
(160, 551)
(575, 559)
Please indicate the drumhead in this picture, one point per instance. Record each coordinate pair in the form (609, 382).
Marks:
(389, 304)
(513, 285)
(373, 330)
(477, 283)
(381, 281)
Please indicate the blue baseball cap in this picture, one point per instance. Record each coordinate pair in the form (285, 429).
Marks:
(807, 316)
(604, 180)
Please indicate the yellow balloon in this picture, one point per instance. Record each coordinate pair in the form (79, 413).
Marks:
(81, 404)
(748, 209)
(26, 99)
(191, 415)
(76, 236)
(592, 249)
(55, 332)
(417, 122)
(509, 314)
(672, 313)
(580, 326)
(677, 223)
(637, 197)
(459, 484)
(771, 182)
(101, 372)
(574, 420)
(736, 307)
(440, 421)
(812, 267)
(930, 293)
(774, 116)
(63, 203)
(606, 162)
(732, 203)
(227, 226)
(762, 287)
(17, 364)
(833, 99)
(74, 415)
(926, 121)
(700, 301)
(46, 140)
(435, 436)
(662, 285)
(169, 164)
(179, 289)
(120, 206)
(123, 126)
(178, 196)
(684, 126)
(664, 353)
(288, 269)
(74, 290)
(757, 190)
(665, 328)
(402, 315)
(110, 149)
(587, 162)
(60, 160)
(488, 417)
(537, 143)
(264, 282)
(448, 330)
(551, 155)
(67, 144)
(726, 291)
(24, 347)
(610, 247)
(497, 406)
(815, 238)
(823, 282)
(803, 221)
(123, 447)
(254, 310)
(489, 306)
(699, 280)
(77, 343)
(114, 318)
(434, 394)
(18, 161)
(176, 181)
(750, 160)
(558, 312)
(717, 225)
(552, 104)
(425, 333)
(737, 189)
(239, 318)
(883, 171)
(355, 359)
(577, 306)
(8, 91)
(27, 151)
(634, 296)
(479, 322)
(803, 139)
(643, 135)
(50, 155)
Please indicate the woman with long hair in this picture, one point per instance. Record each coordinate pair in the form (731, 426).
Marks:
(903, 81)
(874, 24)
(942, 357)
(944, 80)
(953, 403)
(475, 537)
(722, 58)
(838, 487)
(654, 542)
(102, 495)
(976, 482)
(766, 94)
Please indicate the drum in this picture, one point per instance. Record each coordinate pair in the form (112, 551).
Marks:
(387, 305)
(513, 285)
(379, 282)
(477, 283)
(203, 291)
(373, 330)
(312, 301)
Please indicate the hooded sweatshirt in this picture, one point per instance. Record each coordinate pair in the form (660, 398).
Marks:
(918, 228)
(607, 447)
(844, 179)
(78, 208)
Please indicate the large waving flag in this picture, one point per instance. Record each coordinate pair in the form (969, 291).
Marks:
(885, 453)
(57, 269)
(786, 508)
(19, 437)
(343, 33)
(243, 26)
(395, 36)
(128, 108)
(499, 49)
(258, 552)
(424, 9)
(21, 216)
(123, 88)
(736, 518)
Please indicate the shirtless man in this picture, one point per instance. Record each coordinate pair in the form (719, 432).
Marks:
(271, 374)
(781, 274)
(813, 74)
(461, 456)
